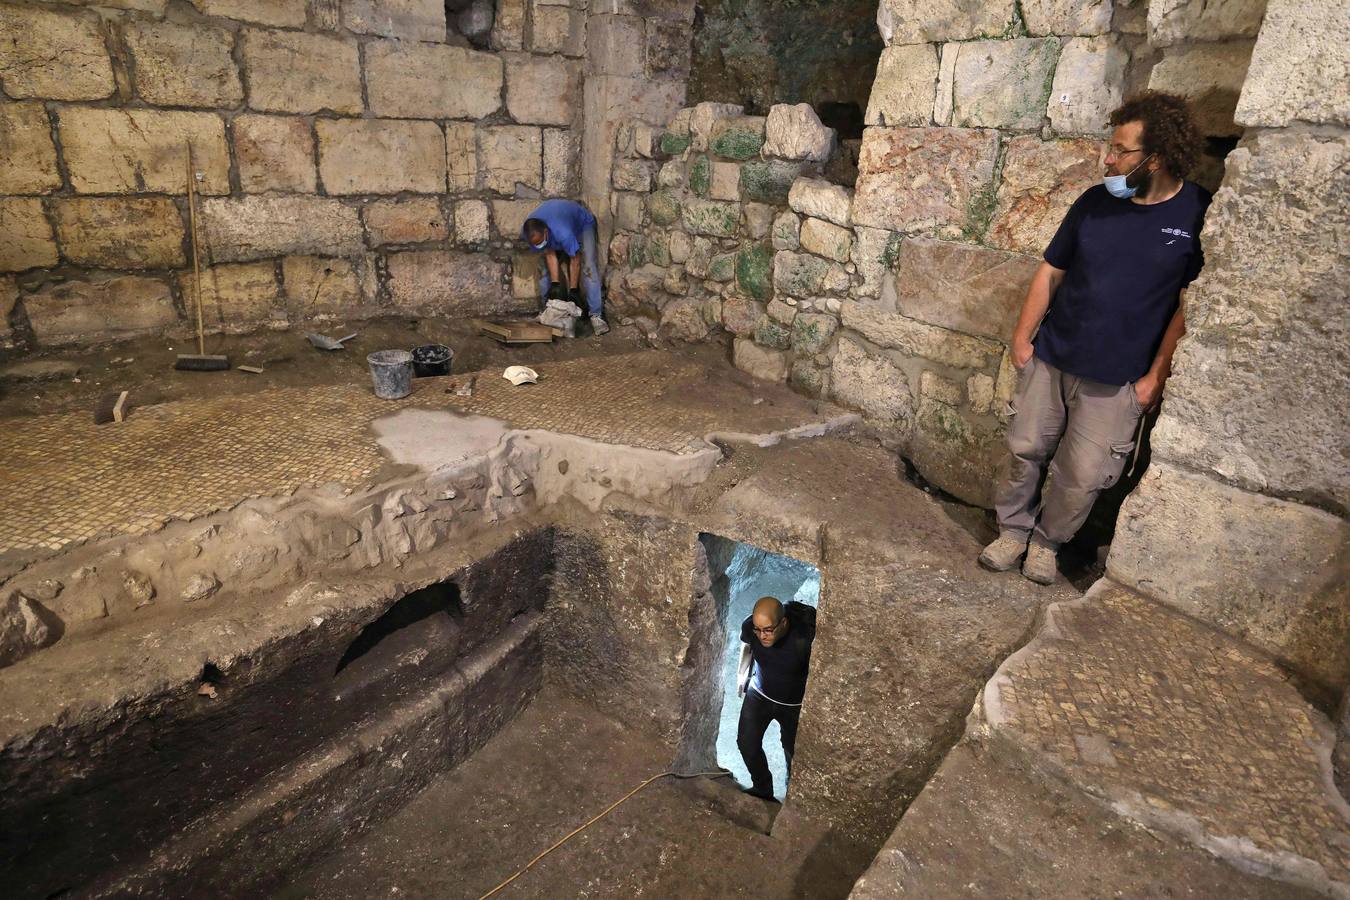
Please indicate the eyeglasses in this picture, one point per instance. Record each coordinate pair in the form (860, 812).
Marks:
(1121, 151)
(766, 630)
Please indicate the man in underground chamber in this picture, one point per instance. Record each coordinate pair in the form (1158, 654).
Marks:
(567, 227)
(775, 660)
(1093, 344)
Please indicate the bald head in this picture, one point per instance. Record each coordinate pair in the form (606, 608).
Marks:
(768, 621)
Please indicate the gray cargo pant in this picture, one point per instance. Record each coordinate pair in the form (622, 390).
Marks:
(1087, 432)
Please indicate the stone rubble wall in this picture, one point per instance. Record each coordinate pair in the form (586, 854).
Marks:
(354, 159)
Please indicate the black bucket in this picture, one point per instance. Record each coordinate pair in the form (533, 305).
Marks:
(432, 359)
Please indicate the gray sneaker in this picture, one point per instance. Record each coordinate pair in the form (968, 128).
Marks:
(1040, 564)
(1003, 554)
(600, 325)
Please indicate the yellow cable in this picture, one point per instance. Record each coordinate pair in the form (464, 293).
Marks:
(609, 809)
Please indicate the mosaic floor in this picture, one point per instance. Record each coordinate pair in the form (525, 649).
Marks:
(65, 480)
(1142, 701)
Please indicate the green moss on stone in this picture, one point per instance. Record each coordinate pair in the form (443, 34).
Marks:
(738, 143)
(812, 331)
(673, 144)
(768, 182)
(658, 249)
(722, 267)
(663, 208)
(700, 176)
(637, 252)
(979, 210)
(709, 217)
(769, 333)
(754, 271)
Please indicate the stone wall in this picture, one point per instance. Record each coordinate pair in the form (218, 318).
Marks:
(1241, 520)
(353, 158)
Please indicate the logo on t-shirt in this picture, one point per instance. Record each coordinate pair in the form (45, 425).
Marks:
(1176, 232)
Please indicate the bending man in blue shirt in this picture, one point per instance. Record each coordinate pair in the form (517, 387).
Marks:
(1108, 304)
(569, 227)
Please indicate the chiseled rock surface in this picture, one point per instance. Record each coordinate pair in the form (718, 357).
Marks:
(962, 287)
(795, 132)
(904, 89)
(275, 153)
(1041, 180)
(955, 451)
(932, 180)
(417, 20)
(77, 311)
(1089, 83)
(1003, 84)
(914, 338)
(922, 21)
(286, 13)
(27, 148)
(72, 64)
(291, 71)
(1299, 67)
(1210, 76)
(1179, 21)
(243, 228)
(432, 81)
(120, 232)
(120, 151)
(820, 199)
(871, 383)
(1067, 17)
(540, 90)
(759, 362)
(825, 239)
(26, 239)
(179, 65)
(381, 156)
(236, 297)
(438, 282)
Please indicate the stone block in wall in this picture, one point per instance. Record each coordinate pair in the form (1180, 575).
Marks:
(700, 175)
(274, 153)
(236, 297)
(905, 87)
(799, 274)
(1210, 76)
(682, 319)
(722, 268)
(826, 239)
(120, 232)
(118, 151)
(432, 81)
(381, 156)
(933, 386)
(53, 55)
(811, 332)
(1041, 180)
(965, 288)
(758, 219)
(627, 211)
(1269, 571)
(473, 223)
(980, 390)
(786, 232)
(76, 311)
(664, 208)
(946, 84)
(260, 227)
(9, 298)
(284, 13)
(633, 175)
(754, 271)
(875, 251)
(1299, 68)
(184, 65)
(759, 362)
(560, 163)
(510, 215)
(773, 334)
(26, 240)
(724, 182)
(934, 180)
(1089, 83)
(1003, 84)
(461, 156)
(740, 315)
(542, 90)
(739, 138)
(871, 383)
(822, 200)
(703, 119)
(958, 453)
(318, 286)
(914, 338)
(795, 132)
(525, 268)
(508, 25)
(615, 45)
(668, 48)
(510, 155)
(769, 181)
(1179, 21)
(290, 71)
(920, 21)
(27, 150)
(681, 245)
(447, 283)
(712, 218)
(415, 20)
(1259, 395)
(414, 220)
(557, 29)
(1066, 17)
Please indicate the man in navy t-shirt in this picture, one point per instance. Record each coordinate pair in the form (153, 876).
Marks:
(567, 227)
(779, 638)
(1107, 301)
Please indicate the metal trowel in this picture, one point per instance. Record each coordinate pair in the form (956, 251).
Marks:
(324, 342)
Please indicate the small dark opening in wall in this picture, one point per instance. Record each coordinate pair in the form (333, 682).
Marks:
(211, 674)
(438, 599)
(845, 118)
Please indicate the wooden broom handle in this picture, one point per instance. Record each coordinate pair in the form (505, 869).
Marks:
(196, 262)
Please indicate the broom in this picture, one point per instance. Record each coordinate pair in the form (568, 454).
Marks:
(199, 361)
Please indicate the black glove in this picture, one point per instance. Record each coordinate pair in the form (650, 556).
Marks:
(555, 291)
(574, 295)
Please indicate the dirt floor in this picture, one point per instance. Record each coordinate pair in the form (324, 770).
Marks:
(556, 766)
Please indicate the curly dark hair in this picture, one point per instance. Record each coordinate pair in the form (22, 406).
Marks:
(1169, 128)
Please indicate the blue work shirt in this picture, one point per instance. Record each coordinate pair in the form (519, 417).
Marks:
(1125, 265)
(567, 221)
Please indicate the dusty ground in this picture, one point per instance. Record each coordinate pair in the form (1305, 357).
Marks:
(554, 767)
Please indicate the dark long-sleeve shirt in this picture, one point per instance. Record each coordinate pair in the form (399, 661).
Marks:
(780, 671)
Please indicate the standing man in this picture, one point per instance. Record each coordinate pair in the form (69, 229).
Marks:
(1108, 302)
(569, 227)
(779, 639)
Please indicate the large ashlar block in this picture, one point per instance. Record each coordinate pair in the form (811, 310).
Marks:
(416, 20)
(1067, 17)
(120, 232)
(285, 13)
(53, 55)
(416, 220)
(557, 29)
(561, 172)
(968, 289)
(120, 151)
(508, 25)
(933, 180)
(875, 251)
(509, 155)
(871, 383)
(1181, 21)
(615, 45)
(26, 240)
(825, 239)
(1272, 572)
(76, 311)
(759, 362)
(236, 297)
(245, 228)
(795, 132)
(923, 21)
(180, 65)
(461, 156)
(449, 283)
(290, 71)
(822, 199)
(510, 216)
(1004, 84)
(542, 90)
(1041, 179)
(1259, 394)
(1210, 76)
(380, 156)
(27, 151)
(431, 81)
(905, 86)
(319, 286)
(914, 338)
(1299, 68)
(275, 153)
(959, 453)
(1089, 84)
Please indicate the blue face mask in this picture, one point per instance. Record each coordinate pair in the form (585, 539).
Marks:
(541, 245)
(1118, 185)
